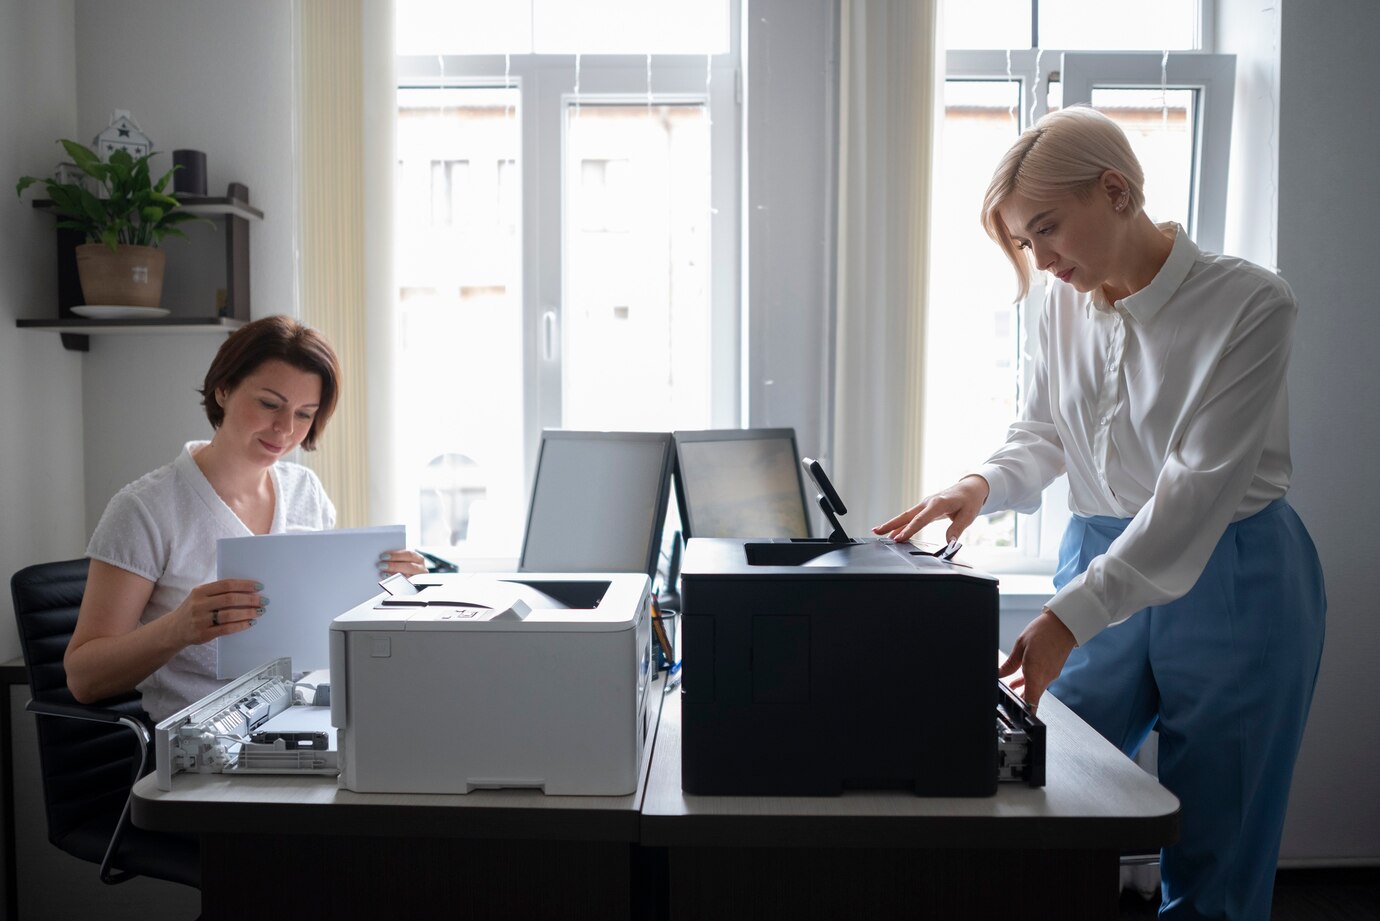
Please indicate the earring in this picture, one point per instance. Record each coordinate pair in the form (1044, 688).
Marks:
(1125, 197)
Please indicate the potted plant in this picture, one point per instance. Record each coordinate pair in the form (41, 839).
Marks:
(120, 262)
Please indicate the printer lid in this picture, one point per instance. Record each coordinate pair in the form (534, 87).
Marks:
(737, 558)
(508, 602)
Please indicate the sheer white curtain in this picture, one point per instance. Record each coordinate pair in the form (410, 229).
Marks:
(891, 66)
(346, 93)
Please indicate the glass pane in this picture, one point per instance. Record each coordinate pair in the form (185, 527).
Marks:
(637, 267)
(993, 24)
(630, 27)
(459, 423)
(1159, 124)
(972, 366)
(1118, 25)
(462, 27)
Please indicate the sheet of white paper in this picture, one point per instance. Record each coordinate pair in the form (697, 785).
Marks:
(310, 577)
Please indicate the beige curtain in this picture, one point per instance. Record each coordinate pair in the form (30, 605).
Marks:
(891, 68)
(345, 125)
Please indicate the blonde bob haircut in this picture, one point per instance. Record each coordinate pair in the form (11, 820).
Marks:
(1064, 153)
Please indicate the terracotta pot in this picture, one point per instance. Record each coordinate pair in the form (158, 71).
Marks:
(132, 276)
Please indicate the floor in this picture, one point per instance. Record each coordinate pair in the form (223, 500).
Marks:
(1301, 895)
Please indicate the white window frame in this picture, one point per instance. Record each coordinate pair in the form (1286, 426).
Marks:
(546, 85)
(1212, 76)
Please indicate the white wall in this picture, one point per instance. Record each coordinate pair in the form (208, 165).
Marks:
(217, 77)
(41, 486)
(1329, 202)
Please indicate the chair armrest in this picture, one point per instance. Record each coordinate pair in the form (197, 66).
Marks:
(97, 715)
(142, 738)
(74, 711)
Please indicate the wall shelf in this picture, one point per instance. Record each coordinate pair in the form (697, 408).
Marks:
(76, 331)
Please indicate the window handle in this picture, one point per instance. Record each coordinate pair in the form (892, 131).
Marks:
(548, 335)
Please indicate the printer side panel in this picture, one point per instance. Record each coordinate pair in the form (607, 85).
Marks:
(809, 686)
(434, 711)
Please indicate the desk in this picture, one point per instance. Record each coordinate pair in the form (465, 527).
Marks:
(12, 673)
(1026, 852)
(1050, 852)
(304, 845)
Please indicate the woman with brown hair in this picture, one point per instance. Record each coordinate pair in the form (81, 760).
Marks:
(153, 609)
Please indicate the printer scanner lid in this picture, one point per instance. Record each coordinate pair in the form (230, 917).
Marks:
(736, 558)
(508, 602)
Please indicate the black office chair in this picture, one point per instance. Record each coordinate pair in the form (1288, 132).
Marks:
(89, 756)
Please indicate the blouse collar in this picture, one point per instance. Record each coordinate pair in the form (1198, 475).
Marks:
(1144, 304)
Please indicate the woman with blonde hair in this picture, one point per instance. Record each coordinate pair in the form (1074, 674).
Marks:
(1189, 597)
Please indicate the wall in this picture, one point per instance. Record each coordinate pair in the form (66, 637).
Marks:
(41, 486)
(1329, 200)
(217, 77)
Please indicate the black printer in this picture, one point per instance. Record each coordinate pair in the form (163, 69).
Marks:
(814, 666)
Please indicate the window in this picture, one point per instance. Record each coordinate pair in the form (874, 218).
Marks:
(565, 171)
(1009, 63)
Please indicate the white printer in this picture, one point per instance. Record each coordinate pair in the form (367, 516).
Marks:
(484, 680)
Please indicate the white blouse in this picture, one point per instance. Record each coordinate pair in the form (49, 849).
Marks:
(1168, 407)
(164, 527)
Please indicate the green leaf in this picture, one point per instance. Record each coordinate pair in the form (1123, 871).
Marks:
(67, 200)
(110, 238)
(24, 183)
(151, 214)
(93, 206)
(84, 157)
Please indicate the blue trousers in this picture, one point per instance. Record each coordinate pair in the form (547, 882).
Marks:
(1226, 674)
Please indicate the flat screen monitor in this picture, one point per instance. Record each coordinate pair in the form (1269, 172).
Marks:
(740, 483)
(598, 502)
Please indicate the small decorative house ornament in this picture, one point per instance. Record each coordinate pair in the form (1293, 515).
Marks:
(122, 134)
(71, 174)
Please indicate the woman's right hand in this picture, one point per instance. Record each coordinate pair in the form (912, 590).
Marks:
(960, 503)
(218, 609)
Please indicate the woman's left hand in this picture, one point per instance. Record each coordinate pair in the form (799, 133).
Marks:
(407, 562)
(1040, 653)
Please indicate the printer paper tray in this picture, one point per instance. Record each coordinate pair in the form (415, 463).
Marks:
(217, 734)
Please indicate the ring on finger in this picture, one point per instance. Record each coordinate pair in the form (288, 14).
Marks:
(215, 618)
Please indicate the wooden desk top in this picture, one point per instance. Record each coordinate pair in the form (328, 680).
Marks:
(315, 805)
(14, 672)
(1095, 797)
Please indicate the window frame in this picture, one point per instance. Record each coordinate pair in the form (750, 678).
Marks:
(545, 83)
(1212, 77)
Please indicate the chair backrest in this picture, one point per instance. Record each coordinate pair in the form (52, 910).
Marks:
(87, 767)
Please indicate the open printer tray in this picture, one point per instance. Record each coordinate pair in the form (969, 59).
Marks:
(256, 724)
(1020, 741)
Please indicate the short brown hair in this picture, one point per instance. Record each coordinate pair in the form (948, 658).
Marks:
(284, 339)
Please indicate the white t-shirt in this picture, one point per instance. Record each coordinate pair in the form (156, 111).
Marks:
(164, 527)
(1167, 407)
